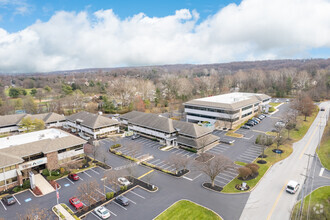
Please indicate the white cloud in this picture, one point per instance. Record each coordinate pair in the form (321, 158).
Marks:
(255, 29)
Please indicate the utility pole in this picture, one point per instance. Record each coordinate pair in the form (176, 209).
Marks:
(304, 187)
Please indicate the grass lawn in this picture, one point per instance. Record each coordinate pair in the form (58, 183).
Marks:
(324, 151)
(240, 163)
(232, 134)
(187, 210)
(319, 197)
(7, 91)
(274, 104)
(271, 159)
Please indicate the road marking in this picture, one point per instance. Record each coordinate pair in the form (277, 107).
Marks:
(131, 201)
(100, 192)
(153, 161)
(87, 174)
(321, 171)
(67, 184)
(70, 180)
(260, 131)
(157, 164)
(136, 194)
(95, 215)
(277, 200)
(81, 178)
(145, 174)
(109, 188)
(120, 205)
(27, 200)
(309, 141)
(95, 171)
(16, 200)
(3, 205)
(91, 197)
(112, 213)
(197, 176)
(187, 178)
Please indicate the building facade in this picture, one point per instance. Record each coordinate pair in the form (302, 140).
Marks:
(89, 125)
(35, 151)
(227, 110)
(168, 131)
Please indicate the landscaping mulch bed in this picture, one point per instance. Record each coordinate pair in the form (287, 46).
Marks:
(215, 187)
(278, 151)
(249, 177)
(261, 161)
(239, 187)
(263, 156)
(103, 165)
(206, 157)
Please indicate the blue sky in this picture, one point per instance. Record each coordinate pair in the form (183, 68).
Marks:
(45, 35)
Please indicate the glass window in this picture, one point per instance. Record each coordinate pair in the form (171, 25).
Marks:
(13, 167)
(1, 170)
(2, 183)
(7, 168)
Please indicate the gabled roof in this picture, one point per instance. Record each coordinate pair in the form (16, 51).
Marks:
(48, 117)
(92, 120)
(7, 120)
(131, 115)
(199, 142)
(190, 129)
(153, 121)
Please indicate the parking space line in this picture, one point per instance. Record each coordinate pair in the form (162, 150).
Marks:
(109, 188)
(250, 153)
(3, 205)
(16, 200)
(154, 161)
(226, 174)
(137, 194)
(156, 164)
(112, 213)
(100, 192)
(96, 215)
(87, 173)
(168, 167)
(131, 201)
(81, 178)
(120, 205)
(94, 171)
(70, 180)
(225, 178)
(175, 150)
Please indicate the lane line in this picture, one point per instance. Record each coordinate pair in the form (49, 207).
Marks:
(120, 205)
(277, 200)
(16, 200)
(137, 194)
(109, 188)
(95, 215)
(87, 174)
(95, 171)
(187, 178)
(321, 171)
(309, 141)
(70, 180)
(3, 205)
(131, 201)
(145, 174)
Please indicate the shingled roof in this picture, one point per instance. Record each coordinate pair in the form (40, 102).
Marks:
(199, 142)
(190, 129)
(92, 120)
(153, 121)
(10, 120)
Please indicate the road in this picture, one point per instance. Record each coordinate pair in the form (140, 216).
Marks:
(269, 199)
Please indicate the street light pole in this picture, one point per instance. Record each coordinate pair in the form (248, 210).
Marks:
(103, 179)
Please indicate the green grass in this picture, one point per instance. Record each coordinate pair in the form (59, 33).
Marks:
(271, 159)
(7, 91)
(274, 104)
(320, 196)
(232, 134)
(187, 210)
(240, 163)
(324, 151)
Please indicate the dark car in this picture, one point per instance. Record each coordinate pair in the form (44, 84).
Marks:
(245, 127)
(250, 124)
(73, 177)
(322, 109)
(122, 200)
(255, 121)
(9, 200)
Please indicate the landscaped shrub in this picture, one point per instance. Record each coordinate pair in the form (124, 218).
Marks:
(244, 172)
(271, 109)
(26, 184)
(55, 173)
(62, 170)
(258, 139)
(37, 191)
(109, 195)
(45, 172)
(122, 188)
(125, 188)
(253, 167)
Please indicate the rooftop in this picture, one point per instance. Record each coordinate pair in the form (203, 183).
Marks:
(92, 120)
(229, 98)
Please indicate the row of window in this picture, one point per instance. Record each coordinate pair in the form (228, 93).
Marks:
(211, 109)
(78, 147)
(13, 167)
(214, 118)
(247, 107)
(265, 100)
(249, 113)
(8, 181)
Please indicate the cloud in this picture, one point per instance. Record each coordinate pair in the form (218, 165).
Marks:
(19, 7)
(255, 29)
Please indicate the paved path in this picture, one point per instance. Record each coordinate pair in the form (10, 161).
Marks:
(269, 199)
(43, 184)
(66, 214)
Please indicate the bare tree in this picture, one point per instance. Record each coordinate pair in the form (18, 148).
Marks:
(214, 167)
(112, 178)
(35, 212)
(304, 104)
(179, 162)
(279, 134)
(203, 142)
(89, 192)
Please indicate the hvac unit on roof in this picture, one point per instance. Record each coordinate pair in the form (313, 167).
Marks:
(41, 136)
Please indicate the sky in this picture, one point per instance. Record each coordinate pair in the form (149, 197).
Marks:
(48, 35)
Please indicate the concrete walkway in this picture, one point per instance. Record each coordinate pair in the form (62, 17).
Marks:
(66, 214)
(43, 184)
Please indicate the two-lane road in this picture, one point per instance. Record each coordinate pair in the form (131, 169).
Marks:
(269, 199)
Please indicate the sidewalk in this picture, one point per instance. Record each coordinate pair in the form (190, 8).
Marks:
(43, 184)
(66, 214)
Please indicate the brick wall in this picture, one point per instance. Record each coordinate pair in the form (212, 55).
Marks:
(52, 161)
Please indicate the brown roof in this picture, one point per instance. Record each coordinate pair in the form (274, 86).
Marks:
(190, 129)
(92, 120)
(15, 153)
(154, 122)
(48, 117)
(131, 115)
(7, 120)
(199, 142)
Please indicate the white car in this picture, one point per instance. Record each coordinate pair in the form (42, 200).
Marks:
(292, 187)
(102, 212)
(124, 181)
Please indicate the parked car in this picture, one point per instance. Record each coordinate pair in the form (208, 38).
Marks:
(249, 124)
(245, 127)
(257, 119)
(252, 122)
(227, 141)
(135, 136)
(122, 200)
(280, 124)
(292, 187)
(76, 203)
(124, 181)
(102, 212)
(9, 200)
(73, 177)
(322, 109)
(287, 100)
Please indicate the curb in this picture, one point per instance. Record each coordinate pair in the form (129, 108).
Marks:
(210, 189)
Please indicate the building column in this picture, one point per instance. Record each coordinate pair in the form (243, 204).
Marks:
(52, 161)
(19, 176)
